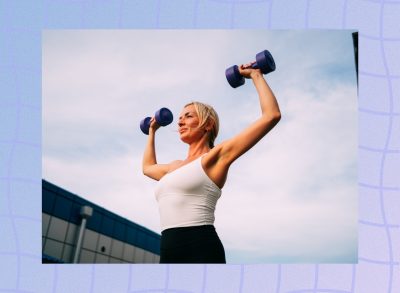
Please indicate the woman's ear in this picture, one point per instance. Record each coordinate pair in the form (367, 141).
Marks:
(209, 126)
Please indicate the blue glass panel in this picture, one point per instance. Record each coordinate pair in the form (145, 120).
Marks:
(119, 230)
(94, 222)
(48, 199)
(63, 208)
(107, 226)
(75, 214)
(141, 240)
(131, 235)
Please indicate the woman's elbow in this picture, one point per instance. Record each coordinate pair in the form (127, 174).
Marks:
(272, 118)
(147, 173)
(145, 170)
(277, 117)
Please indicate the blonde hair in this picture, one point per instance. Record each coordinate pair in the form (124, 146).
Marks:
(207, 114)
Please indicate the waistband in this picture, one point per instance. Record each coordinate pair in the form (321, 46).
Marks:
(188, 229)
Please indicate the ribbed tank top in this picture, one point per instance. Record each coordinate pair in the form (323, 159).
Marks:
(187, 197)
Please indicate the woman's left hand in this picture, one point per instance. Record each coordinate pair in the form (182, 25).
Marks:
(247, 71)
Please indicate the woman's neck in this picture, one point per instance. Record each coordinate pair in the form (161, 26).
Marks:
(197, 149)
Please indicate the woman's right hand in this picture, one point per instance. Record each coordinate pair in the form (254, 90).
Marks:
(247, 71)
(153, 125)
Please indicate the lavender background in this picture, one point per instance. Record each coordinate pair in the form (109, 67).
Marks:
(21, 23)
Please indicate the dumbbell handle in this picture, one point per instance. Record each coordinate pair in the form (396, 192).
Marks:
(262, 57)
(255, 65)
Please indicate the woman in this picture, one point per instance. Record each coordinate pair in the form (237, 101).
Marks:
(188, 190)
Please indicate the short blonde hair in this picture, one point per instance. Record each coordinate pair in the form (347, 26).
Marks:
(207, 114)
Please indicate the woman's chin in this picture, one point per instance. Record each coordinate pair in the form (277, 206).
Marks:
(183, 138)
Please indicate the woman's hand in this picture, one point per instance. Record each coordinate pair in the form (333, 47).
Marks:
(247, 71)
(153, 125)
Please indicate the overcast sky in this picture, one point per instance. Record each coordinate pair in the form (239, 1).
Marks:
(292, 198)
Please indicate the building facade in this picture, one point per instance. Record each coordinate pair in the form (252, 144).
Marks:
(75, 230)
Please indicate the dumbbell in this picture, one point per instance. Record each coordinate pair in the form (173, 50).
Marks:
(163, 118)
(264, 62)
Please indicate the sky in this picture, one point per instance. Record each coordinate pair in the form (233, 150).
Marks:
(291, 199)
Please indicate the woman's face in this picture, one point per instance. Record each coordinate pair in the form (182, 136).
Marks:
(188, 122)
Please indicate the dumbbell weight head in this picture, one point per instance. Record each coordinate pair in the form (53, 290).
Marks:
(235, 79)
(145, 125)
(164, 117)
(265, 62)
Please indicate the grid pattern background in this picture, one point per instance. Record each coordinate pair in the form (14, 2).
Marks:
(21, 23)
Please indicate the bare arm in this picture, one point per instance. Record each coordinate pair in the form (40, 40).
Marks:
(233, 148)
(149, 165)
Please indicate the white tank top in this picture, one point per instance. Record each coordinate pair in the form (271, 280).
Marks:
(187, 197)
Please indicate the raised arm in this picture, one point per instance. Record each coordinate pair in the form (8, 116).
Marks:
(149, 165)
(233, 148)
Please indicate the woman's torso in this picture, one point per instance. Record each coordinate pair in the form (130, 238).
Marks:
(187, 196)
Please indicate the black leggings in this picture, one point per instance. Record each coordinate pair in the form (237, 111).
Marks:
(195, 244)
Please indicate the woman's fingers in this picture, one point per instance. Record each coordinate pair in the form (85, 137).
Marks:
(246, 70)
(247, 65)
(154, 124)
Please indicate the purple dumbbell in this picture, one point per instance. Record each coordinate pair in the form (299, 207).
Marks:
(163, 118)
(264, 62)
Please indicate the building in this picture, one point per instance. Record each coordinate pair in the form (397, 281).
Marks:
(69, 221)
